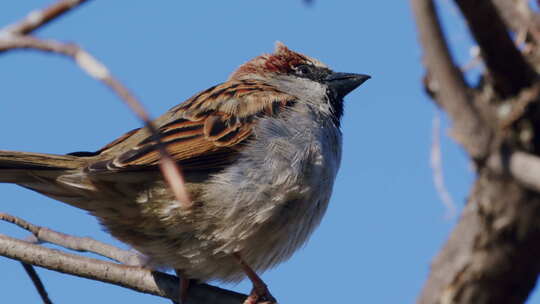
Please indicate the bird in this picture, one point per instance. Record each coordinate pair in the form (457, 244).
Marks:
(259, 154)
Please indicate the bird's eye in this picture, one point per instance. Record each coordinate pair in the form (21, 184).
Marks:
(303, 69)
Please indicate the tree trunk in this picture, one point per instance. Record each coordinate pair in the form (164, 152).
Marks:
(493, 255)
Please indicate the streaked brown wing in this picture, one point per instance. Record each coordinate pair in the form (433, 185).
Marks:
(206, 131)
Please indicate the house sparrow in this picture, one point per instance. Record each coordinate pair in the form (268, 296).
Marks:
(259, 154)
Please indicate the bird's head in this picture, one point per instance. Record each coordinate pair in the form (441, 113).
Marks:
(305, 77)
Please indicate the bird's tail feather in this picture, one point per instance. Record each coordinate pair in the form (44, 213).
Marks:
(18, 167)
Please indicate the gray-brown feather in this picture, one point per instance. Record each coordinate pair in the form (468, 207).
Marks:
(264, 206)
(262, 151)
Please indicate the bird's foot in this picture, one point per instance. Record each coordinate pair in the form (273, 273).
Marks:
(260, 295)
(183, 288)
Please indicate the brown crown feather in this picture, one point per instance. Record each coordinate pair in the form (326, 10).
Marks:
(282, 61)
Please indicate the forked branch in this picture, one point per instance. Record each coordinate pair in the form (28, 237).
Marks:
(452, 93)
(509, 69)
(132, 277)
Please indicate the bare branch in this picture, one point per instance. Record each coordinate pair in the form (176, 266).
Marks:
(37, 283)
(492, 254)
(97, 70)
(518, 16)
(38, 18)
(451, 90)
(135, 278)
(81, 244)
(437, 167)
(510, 14)
(169, 168)
(522, 166)
(525, 168)
(511, 73)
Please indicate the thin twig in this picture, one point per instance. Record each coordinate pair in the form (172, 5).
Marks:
(511, 72)
(135, 278)
(525, 168)
(81, 244)
(170, 170)
(519, 17)
(37, 282)
(97, 70)
(518, 107)
(437, 167)
(39, 18)
(522, 166)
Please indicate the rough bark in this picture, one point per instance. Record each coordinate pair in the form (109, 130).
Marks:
(492, 254)
(509, 70)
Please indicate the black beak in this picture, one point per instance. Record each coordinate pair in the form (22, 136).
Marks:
(344, 83)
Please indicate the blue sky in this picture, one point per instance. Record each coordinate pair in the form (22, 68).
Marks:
(385, 221)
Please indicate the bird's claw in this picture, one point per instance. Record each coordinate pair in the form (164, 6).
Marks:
(260, 295)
